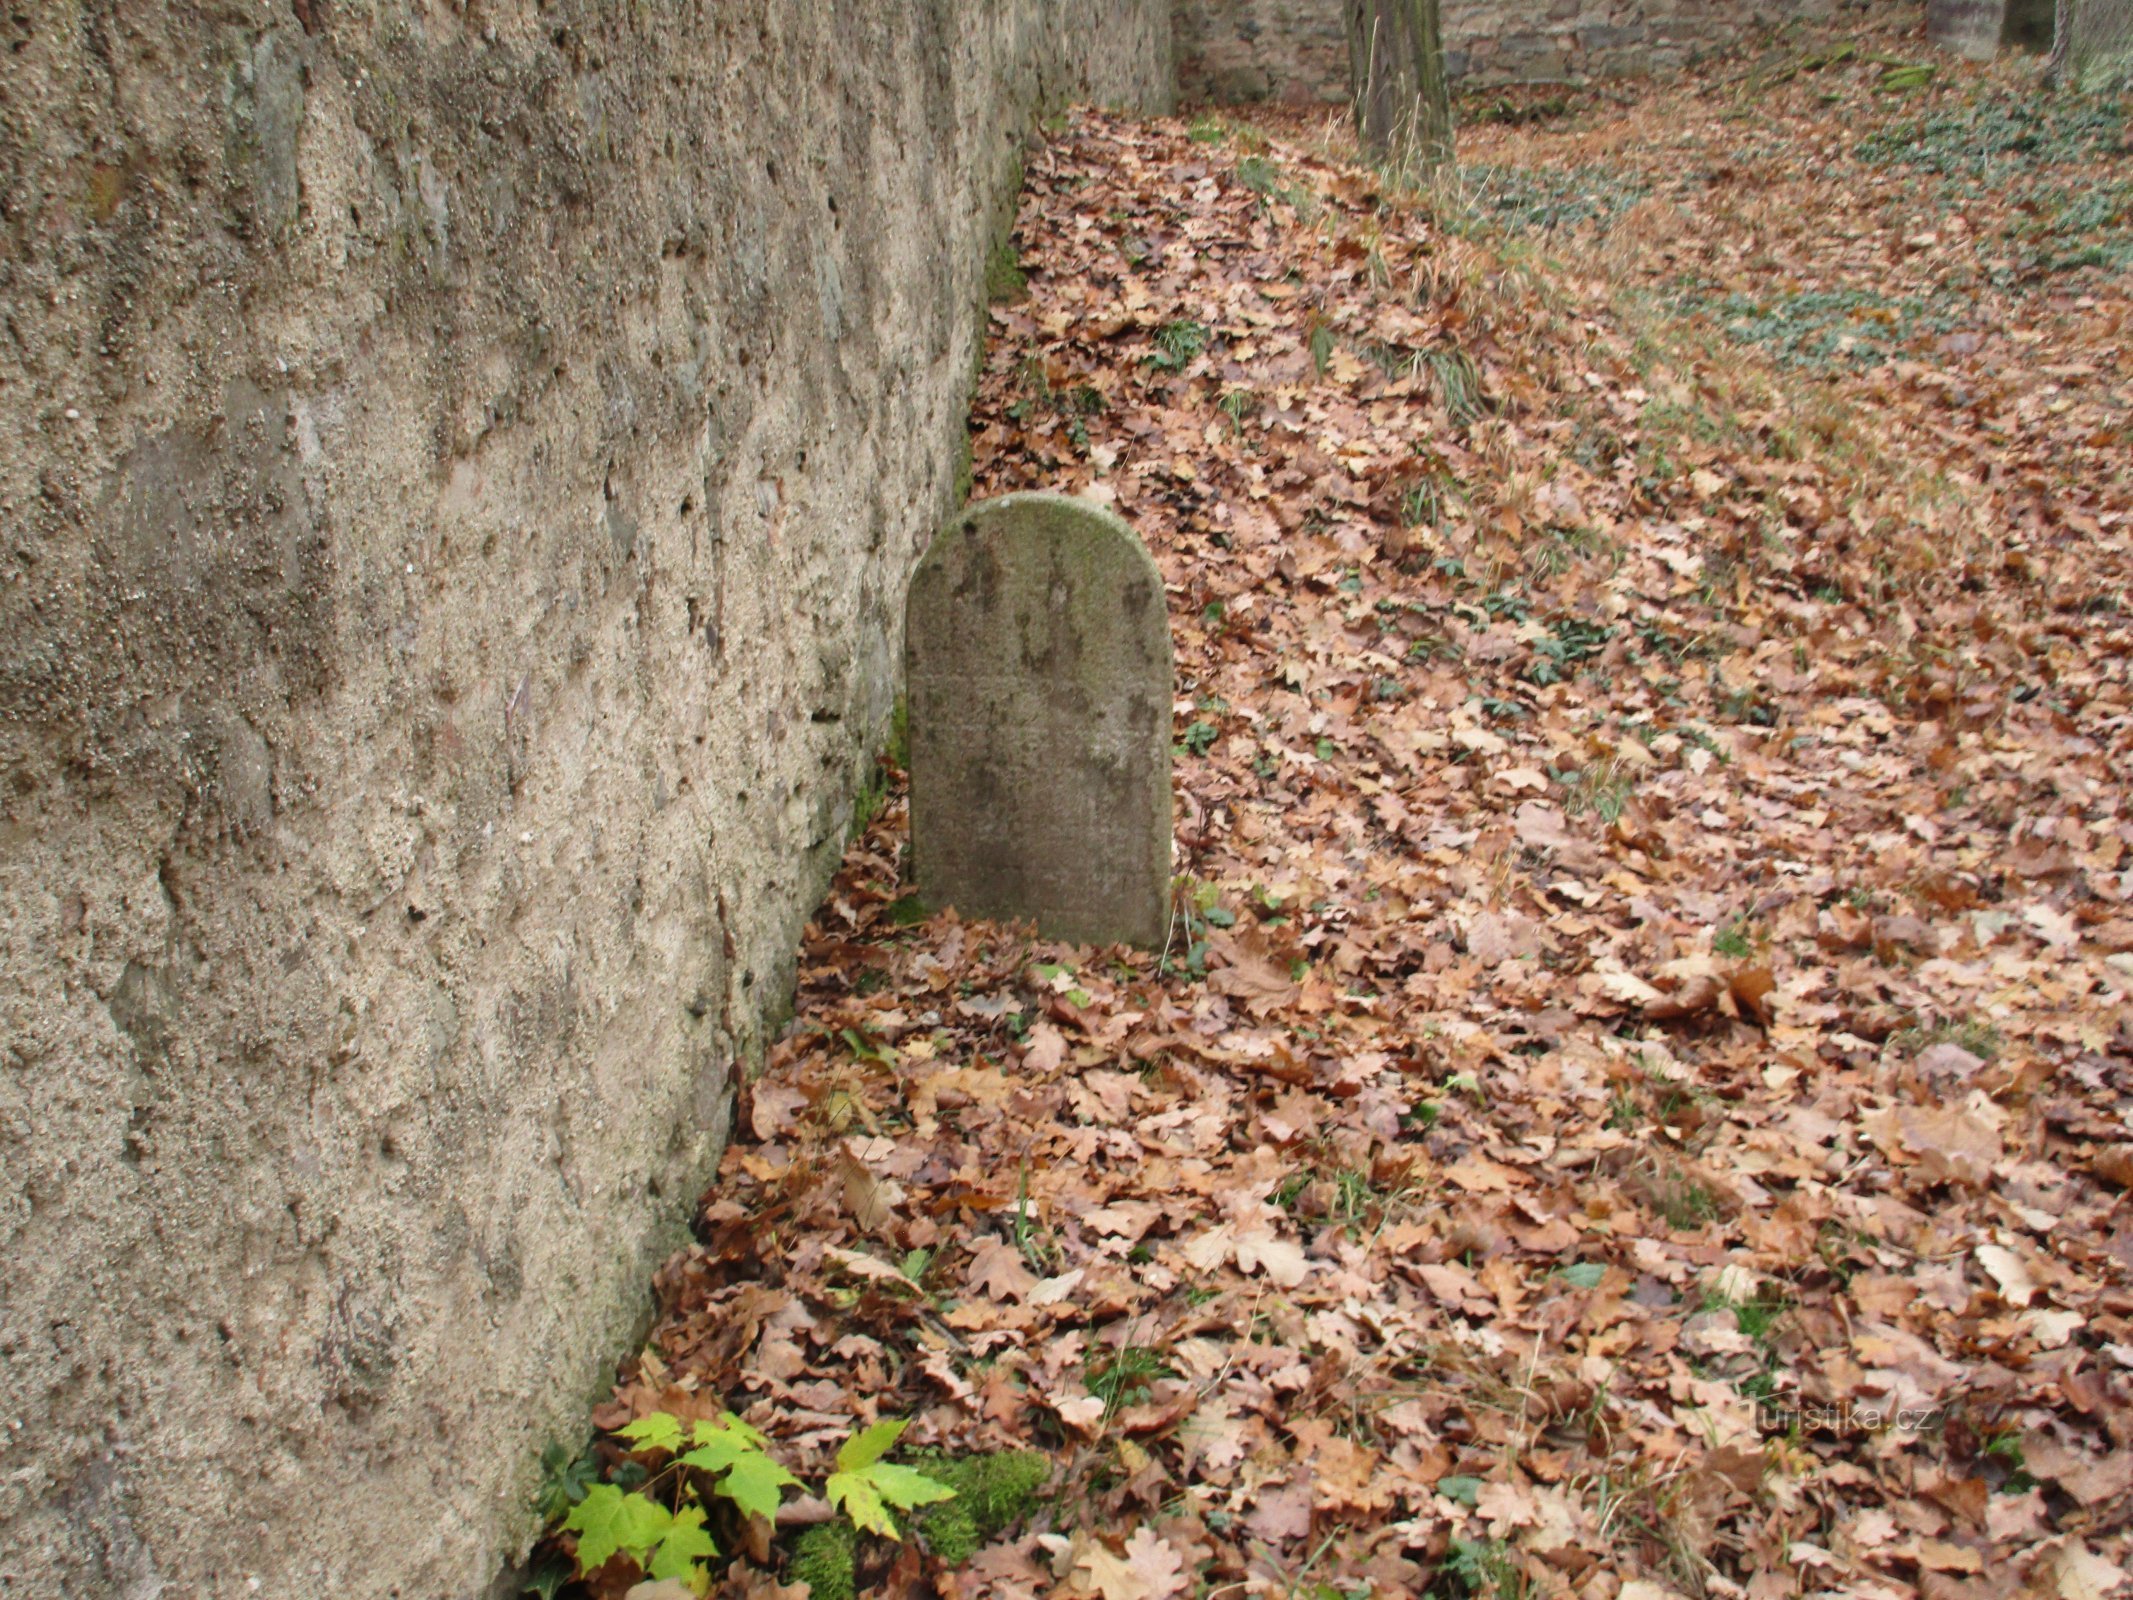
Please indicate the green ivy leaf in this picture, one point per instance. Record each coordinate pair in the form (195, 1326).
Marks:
(607, 1520)
(684, 1546)
(756, 1483)
(655, 1432)
(869, 1445)
(1583, 1274)
(856, 1495)
(546, 1579)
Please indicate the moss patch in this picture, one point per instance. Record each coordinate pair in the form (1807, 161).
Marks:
(993, 1492)
(825, 1559)
(1004, 278)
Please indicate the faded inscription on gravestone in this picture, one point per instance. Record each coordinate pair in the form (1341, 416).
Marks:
(1037, 649)
(1978, 28)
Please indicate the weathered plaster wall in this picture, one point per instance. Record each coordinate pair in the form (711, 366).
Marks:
(459, 467)
(1233, 51)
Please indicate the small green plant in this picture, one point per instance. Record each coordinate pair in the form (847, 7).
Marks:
(1423, 505)
(1177, 345)
(1260, 176)
(865, 1487)
(992, 1491)
(1121, 1377)
(1487, 1567)
(1195, 907)
(1733, 940)
(1321, 343)
(658, 1520)
(1571, 642)
(1457, 382)
(1032, 1237)
(1199, 737)
(1980, 1039)
(1603, 789)
(565, 1478)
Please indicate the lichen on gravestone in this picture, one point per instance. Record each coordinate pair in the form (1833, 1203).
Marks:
(1038, 657)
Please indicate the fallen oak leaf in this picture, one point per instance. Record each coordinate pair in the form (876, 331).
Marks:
(996, 1270)
(2008, 1270)
(1688, 987)
(1752, 988)
(870, 1200)
(1282, 1260)
(1249, 971)
(1152, 1560)
(1948, 1143)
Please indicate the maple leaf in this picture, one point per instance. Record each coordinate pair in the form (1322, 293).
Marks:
(684, 1545)
(655, 1431)
(756, 1483)
(865, 1486)
(608, 1521)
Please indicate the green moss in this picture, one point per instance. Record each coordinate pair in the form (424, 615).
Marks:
(899, 749)
(874, 784)
(992, 1492)
(822, 1558)
(965, 469)
(1004, 278)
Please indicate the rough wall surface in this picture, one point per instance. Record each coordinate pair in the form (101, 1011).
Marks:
(1235, 51)
(460, 464)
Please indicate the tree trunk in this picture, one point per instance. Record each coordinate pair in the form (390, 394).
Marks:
(1403, 103)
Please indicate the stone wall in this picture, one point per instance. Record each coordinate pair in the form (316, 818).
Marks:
(1235, 51)
(460, 467)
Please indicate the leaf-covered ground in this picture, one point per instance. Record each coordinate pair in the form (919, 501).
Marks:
(1639, 1098)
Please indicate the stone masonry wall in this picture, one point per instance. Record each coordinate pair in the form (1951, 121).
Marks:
(460, 463)
(1237, 51)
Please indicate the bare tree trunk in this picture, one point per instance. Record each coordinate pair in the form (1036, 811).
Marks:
(2062, 37)
(1403, 104)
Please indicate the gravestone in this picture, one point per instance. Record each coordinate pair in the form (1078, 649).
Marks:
(1977, 29)
(1037, 654)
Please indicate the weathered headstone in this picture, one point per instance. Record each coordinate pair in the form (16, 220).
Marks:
(1978, 28)
(1037, 649)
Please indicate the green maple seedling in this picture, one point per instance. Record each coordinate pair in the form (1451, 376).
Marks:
(864, 1486)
